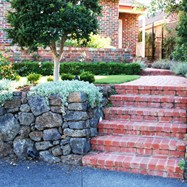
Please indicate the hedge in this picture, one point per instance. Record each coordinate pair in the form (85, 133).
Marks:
(76, 68)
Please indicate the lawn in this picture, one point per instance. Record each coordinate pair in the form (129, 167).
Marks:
(99, 79)
(115, 79)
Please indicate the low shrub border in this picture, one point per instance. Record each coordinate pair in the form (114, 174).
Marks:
(76, 68)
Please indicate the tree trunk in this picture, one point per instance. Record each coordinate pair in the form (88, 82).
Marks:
(56, 73)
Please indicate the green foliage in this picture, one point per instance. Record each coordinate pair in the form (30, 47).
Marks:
(180, 68)
(87, 76)
(64, 88)
(163, 64)
(33, 78)
(182, 164)
(180, 52)
(101, 68)
(67, 76)
(6, 72)
(76, 68)
(96, 41)
(50, 79)
(6, 90)
(26, 68)
(115, 79)
(4, 57)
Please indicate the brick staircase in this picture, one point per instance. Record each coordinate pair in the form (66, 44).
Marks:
(144, 132)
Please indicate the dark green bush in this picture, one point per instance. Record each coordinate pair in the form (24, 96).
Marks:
(67, 76)
(33, 78)
(87, 76)
(76, 68)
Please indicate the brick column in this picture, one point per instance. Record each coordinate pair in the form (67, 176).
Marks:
(109, 20)
(130, 31)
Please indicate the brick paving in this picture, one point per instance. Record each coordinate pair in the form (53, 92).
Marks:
(144, 131)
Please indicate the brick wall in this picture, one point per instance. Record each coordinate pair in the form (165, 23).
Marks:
(130, 31)
(74, 54)
(109, 20)
(4, 6)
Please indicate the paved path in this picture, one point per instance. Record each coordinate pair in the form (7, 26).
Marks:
(159, 81)
(37, 174)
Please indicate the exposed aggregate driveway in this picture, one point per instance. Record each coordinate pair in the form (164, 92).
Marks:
(39, 174)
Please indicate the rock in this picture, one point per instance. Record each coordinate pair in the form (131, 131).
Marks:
(46, 156)
(51, 134)
(57, 142)
(78, 106)
(77, 97)
(43, 145)
(26, 118)
(22, 146)
(80, 146)
(64, 142)
(77, 125)
(95, 117)
(65, 125)
(24, 131)
(75, 116)
(48, 120)
(55, 100)
(9, 127)
(2, 111)
(25, 108)
(93, 132)
(13, 110)
(56, 109)
(24, 98)
(57, 151)
(38, 105)
(5, 149)
(72, 160)
(77, 133)
(13, 103)
(36, 136)
(66, 149)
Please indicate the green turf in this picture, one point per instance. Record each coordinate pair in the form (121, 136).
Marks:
(115, 79)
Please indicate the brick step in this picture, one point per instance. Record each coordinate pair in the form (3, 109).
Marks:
(151, 90)
(164, 167)
(154, 101)
(153, 72)
(156, 146)
(116, 127)
(146, 114)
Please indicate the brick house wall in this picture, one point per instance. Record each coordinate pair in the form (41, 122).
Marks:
(130, 31)
(4, 6)
(109, 20)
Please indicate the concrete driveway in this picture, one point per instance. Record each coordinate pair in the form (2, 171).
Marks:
(38, 174)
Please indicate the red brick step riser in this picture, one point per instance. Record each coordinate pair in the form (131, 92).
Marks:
(142, 165)
(147, 115)
(150, 102)
(140, 146)
(164, 130)
(151, 90)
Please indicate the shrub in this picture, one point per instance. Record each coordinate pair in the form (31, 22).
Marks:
(180, 68)
(50, 79)
(142, 64)
(87, 76)
(64, 88)
(76, 68)
(162, 64)
(96, 41)
(6, 89)
(33, 78)
(67, 76)
(6, 72)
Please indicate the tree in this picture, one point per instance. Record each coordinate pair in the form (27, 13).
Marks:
(49, 23)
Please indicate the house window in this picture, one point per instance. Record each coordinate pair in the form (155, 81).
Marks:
(120, 33)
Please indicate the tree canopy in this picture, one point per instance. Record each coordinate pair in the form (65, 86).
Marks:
(50, 23)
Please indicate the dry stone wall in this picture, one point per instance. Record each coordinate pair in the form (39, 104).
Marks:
(39, 128)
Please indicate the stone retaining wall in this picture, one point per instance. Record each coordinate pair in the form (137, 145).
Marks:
(32, 128)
